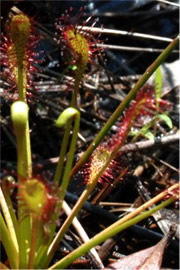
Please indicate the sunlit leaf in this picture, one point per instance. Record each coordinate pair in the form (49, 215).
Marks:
(149, 135)
(166, 119)
(145, 130)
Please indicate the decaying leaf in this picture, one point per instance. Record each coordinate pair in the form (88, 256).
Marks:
(146, 259)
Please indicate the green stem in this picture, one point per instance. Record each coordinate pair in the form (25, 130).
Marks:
(27, 152)
(54, 245)
(9, 204)
(34, 232)
(75, 92)
(21, 168)
(65, 118)
(106, 234)
(59, 168)
(25, 171)
(150, 70)
(84, 196)
(22, 90)
(79, 205)
(8, 244)
(24, 241)
(66, 177)
(7, 215)
(40, 235)
(19, 116)
(24, 154)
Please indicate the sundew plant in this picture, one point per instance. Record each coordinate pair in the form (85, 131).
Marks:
(32, 207)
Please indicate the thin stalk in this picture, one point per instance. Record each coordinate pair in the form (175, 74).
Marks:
(24, 169)
(147, 74)
(83, 235)
(60, 165)
(84, 196)
(10, 206)
(80, 202)
(8, 244)
(24, 222)
(106, 234)
(65, 118)
(41, 254)
(24, 241)
(19, 116)
(27, 152)
(75, 91)
(89, 188)
(21, 168)
(22, 90)
(79, 205)
(54, 245)
(9, 221)
(40, 235)
(66, 177)
(146, 205)
(34, 232)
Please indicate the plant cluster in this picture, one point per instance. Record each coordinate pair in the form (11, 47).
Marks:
(29, 232)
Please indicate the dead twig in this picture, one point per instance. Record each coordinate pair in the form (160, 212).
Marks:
(124, 33)
(150, 143)
(133, 49)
